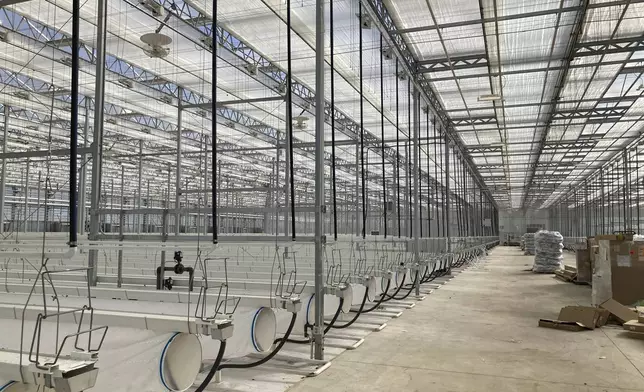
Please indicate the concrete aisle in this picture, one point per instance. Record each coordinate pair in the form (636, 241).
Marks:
(479, 333)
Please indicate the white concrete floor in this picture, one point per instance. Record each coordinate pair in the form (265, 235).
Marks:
(479, 332)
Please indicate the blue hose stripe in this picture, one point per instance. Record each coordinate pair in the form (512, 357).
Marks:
(161, 376)
(252, 330)
(5, 386)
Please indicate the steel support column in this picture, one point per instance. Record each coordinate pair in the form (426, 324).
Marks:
(97, 156)
(447, 196)
(139, 188)
(82, 185)
(26, 217)
(3, 174)
(416, 175)
(318, 332)
(177, 192)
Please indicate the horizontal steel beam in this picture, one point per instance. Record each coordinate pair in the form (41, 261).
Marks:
(208, 105)
(42, 153)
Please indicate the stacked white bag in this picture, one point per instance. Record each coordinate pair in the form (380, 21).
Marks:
(529, 246)
(549, 252)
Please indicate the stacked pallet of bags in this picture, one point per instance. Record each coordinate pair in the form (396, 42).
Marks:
(549, 252)
(529, 243)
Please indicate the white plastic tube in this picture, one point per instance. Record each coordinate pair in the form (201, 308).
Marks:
(130, 360)
(371, 285)
(254, 332)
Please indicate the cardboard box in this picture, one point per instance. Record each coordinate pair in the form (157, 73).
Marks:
(621, 312)
(604, 315)
(634, 326)
(586, 316)
(627, 272)
(618, 271)
(584, 266)
(563, 325)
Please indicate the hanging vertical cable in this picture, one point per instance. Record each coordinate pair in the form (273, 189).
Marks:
(364, 195)
(408, 156)
(213, 171)
(429, 189)
(382, 137)
(397, 149)
(289, 111)
(335, 200)
(73, 140)
(420, 178)
(436, 163)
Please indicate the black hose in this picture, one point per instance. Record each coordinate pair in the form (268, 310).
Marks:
(380, 301)
(388, 297)
(432, 275)
(411, 288)
(328, 326)
(282, 342)
(348, 324)
(214, 368)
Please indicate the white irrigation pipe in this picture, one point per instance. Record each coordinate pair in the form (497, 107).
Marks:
(131, 360)
(255, 329)
(255, 332)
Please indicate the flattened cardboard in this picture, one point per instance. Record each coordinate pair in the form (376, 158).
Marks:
(621, 312)
(585, 316)
(563, 325)
(604, 315)
(634, 326)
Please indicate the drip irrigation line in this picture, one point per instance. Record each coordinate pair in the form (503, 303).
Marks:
(353, 320)
(220, 355)
(282, 341)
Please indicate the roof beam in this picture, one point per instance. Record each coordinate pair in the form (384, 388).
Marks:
(476, 22)
(574, 39)
(383, 21)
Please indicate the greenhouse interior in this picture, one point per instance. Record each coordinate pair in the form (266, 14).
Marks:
(385, 195)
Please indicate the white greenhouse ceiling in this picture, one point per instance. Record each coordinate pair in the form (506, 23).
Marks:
(536, 95)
